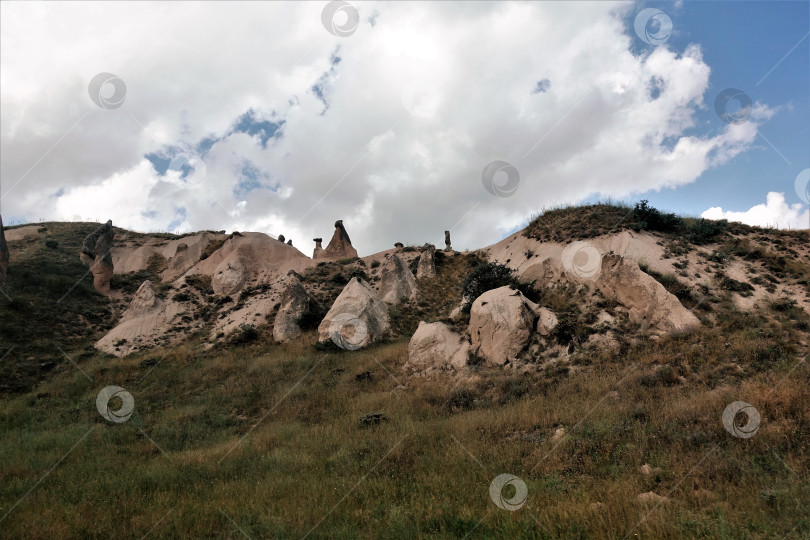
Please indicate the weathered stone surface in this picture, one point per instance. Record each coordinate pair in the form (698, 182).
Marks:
(501, 323)
(427, 262)
(4, 254)
(546, 320)
(295, 304)
(397, 281)
(340, 246)
(648, 302)
(357, 318)
(96, 253)
(447, 246)
(229, 277)
(436, 346)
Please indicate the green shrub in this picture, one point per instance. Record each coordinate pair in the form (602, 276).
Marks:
(703, 231)
(52, 244)
(489, 275)
(649, 218)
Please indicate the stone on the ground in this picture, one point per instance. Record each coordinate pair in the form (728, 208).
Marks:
(436, 346)
(397, 282)
(357, 318)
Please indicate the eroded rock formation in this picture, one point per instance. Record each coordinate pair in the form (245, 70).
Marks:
(357, 318)
(295, 305)
(340, 246)
(436, 346)
(318, 248)
(397, 282)
(96, 254)
(427, 262)
(447, 246)
(502, 321)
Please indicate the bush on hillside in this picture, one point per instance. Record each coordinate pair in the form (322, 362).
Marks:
(649, 218)
(703, 231)
(487, 276)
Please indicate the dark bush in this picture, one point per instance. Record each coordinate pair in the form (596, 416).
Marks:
(649, 218)
(247, 333)
(489, 275)
(704, 230)
(53, 244)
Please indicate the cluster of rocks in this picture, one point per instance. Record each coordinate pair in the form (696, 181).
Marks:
(96, 253)
(502, 322)
(340, 246)
(4, 255)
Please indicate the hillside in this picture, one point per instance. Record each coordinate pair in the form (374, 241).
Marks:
(613, 419)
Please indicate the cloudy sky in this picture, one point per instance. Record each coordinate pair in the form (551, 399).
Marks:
(283, 117)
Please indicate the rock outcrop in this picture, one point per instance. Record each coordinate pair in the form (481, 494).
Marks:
(397, 282)
(317, 254)
(96, 254)
(144, 321)
(229, 277)
(447, 246)
(295, 305)
(340, 246)
(648, 302)
(427, 262)
(501, 322)
(399, 245)
(281, 238)
(357, 318)
(4, 255)
(436, 346)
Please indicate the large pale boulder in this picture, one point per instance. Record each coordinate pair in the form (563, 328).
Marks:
(357, 318)
(229, 277)
(427, 262)
(436, 346)
(96, 253)
(397, 281)
(340, 246)
(295, 305)
(3, 253)
(648, 302)
(501, 322)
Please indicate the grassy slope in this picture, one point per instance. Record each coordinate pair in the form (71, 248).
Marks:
(264, 439)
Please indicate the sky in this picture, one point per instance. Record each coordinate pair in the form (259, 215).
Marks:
(402, 119)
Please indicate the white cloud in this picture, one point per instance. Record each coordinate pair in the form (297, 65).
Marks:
(774, 213)
(392, 171)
